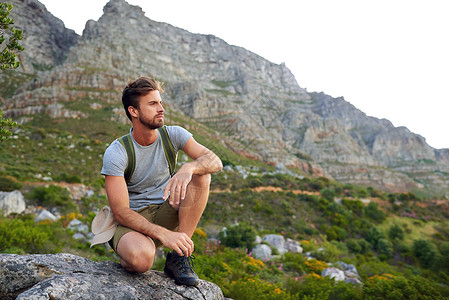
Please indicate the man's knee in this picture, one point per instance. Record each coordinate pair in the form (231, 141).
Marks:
(137, 252)
(202, 180)
(141, 260)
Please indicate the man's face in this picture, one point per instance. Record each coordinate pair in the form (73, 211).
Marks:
(151, 111)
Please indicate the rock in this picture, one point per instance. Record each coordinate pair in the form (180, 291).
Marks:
(334, 273)
(12, 202)
(262, 251)
(51, 48)
(67, 276)
(350, 270)
(45, 215)
(78, 226)
(79, 236)
(355, 281)
(293, 246)
(277, 241)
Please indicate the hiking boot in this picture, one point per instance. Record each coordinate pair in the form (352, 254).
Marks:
(179, 268)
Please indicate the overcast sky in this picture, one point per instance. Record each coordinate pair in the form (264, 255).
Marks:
(389, 58)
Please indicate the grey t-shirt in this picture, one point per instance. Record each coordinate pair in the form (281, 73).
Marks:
(151, 173)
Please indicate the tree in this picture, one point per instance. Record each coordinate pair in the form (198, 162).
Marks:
(9, 46)
(9, 39)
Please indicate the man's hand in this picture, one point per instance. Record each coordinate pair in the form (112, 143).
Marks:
(178, 241)
(177, 186)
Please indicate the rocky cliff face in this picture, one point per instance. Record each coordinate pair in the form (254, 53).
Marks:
(257, 107)
(46, 39)
(67, 276)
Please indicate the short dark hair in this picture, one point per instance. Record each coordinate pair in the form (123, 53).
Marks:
(139, 87)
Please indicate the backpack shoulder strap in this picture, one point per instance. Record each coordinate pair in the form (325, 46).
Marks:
(169, 150)
(127, 142)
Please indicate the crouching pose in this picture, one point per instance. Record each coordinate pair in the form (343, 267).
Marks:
(152, 206)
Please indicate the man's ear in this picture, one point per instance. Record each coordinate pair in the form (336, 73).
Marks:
(133, 111)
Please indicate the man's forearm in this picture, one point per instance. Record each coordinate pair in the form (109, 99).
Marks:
(207, 163)
(134, 220)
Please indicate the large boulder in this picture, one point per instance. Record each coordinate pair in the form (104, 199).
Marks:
(67, 276)
(12, 202)
(262, 251)
(277, 241)
(293, 246)
(334, 273)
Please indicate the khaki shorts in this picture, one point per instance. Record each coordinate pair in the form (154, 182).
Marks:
(163, 215)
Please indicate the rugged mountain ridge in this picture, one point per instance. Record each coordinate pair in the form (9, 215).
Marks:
(256, 106)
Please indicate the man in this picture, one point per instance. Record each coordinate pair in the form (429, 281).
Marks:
(154, 209)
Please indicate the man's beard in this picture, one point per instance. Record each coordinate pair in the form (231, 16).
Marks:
(152, 124)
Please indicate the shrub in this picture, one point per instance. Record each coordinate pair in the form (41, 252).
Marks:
(292, 262)
(9, 183)
(358, 246)
(384, 248)
(24, 235)
(356, 206)
(255, 288)
(241, 235)
(373, 212)
(314, 286)
(316, 266)
(374, 235)
(328, 194)
(387, 286)
(50, 196)
(426, 252)
(395, 232)
(68, 178)
(444, 259)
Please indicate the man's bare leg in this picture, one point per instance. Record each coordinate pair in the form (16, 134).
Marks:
(136, 252)
(192, 207)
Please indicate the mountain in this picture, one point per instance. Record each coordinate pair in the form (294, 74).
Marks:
(255, 107)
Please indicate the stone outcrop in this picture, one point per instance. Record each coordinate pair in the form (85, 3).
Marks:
(12, 202)
(66, 276)
(45, 37)
(276, 241)
(256, 106)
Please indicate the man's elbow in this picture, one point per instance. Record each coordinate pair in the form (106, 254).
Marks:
(219, 165)
(119, 214)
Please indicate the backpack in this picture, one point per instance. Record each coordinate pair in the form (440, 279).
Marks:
(170, 154)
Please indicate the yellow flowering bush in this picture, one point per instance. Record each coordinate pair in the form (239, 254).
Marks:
(253, 265)
(69, 217)
(315, 265)
(200, 233)
(255, 288)
(381, 277)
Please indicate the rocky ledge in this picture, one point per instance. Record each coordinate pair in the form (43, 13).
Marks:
(67, 276)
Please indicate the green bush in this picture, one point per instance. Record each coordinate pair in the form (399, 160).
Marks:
(358, 245)
(68, 178)
(328, 194)
(315, 287)
(374, 235)
(387, 286)
(426, 252)
(292, 262)
(51, 196)
(444, 259)
(238, 236)
(384, 248)
(9, 183)
(395, 232)
(373, 212)
(24, 235)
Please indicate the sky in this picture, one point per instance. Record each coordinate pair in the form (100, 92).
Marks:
(389, 58)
